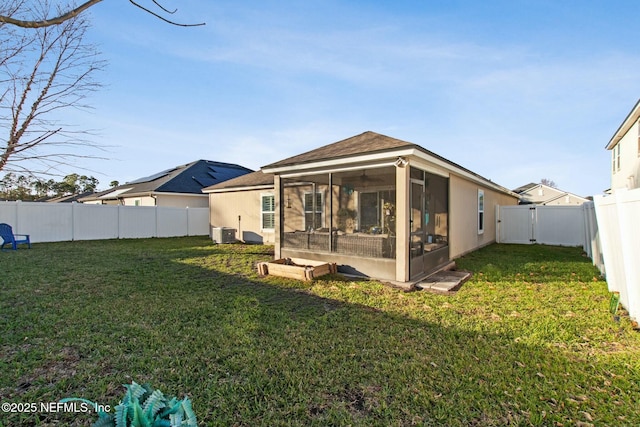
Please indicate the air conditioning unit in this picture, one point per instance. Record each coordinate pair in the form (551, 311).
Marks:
(223, 235)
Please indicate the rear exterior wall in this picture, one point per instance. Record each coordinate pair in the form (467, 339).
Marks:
(225, 208)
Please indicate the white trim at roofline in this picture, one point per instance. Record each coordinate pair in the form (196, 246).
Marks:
(334, 165)
(113, 194)
(624, 127)
(243, 188)
(155, 193)
(565, 194)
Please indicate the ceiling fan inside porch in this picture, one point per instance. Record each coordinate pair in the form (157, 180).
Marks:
(365, 179)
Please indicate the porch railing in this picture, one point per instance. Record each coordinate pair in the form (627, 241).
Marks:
(356, 244)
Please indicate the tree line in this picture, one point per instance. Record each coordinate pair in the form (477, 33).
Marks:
(29, 188)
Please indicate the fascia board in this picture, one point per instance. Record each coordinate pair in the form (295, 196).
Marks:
(335, 164)
(234, 189)
(624, 127)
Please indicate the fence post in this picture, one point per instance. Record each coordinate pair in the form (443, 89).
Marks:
(629, 237)
(17, 226)
(498, 222)
(73, 221)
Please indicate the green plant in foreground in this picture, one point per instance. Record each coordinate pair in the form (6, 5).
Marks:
(143, 406)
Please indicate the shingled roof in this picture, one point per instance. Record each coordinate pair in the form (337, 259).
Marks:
(185, 179)
(250, 180)
(367, 142)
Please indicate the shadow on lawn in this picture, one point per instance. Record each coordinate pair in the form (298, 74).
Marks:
(253, 351)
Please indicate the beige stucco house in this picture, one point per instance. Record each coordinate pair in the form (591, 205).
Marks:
(541, 194)
(625, 152)
(373, 204)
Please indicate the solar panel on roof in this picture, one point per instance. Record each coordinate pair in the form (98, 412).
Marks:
(152, 177)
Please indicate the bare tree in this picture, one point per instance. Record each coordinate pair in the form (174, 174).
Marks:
(44, 71)
(73, 12)
(548, 183)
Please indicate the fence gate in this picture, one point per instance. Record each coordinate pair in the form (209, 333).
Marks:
(547, 225)
(516, 224)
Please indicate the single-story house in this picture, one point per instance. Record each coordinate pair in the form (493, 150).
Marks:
(542, 194)
(625, 152)
(373, 204)
(180, 186)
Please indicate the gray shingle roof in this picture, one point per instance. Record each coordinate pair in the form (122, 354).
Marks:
(253, 179)
(367, 142)
(526, 187)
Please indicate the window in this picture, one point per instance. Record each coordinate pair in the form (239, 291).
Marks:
(638, 138)
(480, 211)
(376, 214)
(312, 211)
(268, 212)
(617, 148)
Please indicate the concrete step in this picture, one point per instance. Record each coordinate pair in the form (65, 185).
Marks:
(444, 281)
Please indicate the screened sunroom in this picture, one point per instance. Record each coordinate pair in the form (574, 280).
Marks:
(379, 206)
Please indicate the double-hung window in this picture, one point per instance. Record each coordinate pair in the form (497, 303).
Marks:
(312, 210)
(480, 211)
(268, 211)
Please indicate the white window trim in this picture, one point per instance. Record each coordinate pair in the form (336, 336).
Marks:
(480, 220)
(638, 138)
(319, 209)
(262, 212)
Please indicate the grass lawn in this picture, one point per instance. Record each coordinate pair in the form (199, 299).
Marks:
(528, 340)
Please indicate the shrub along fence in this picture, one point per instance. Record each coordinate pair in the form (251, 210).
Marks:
(57, 222)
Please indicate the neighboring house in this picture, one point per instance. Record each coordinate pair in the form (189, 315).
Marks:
(541, 194)
(71, 198)
(625, 152)
(375, 205)
(176, 187)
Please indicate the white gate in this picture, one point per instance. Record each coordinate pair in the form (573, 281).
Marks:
(516, 224)
(547, 225)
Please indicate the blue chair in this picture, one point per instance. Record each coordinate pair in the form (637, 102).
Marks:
(8, 238)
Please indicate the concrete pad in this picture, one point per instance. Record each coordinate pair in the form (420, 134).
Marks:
(444, 281)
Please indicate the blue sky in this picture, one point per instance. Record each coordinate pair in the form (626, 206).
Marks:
(514, 90)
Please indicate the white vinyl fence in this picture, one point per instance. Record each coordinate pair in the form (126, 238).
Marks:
(608, 229)
(619, 228)
(56, 222)
(547, 225)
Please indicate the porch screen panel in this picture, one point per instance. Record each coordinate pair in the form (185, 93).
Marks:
(437, 210)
